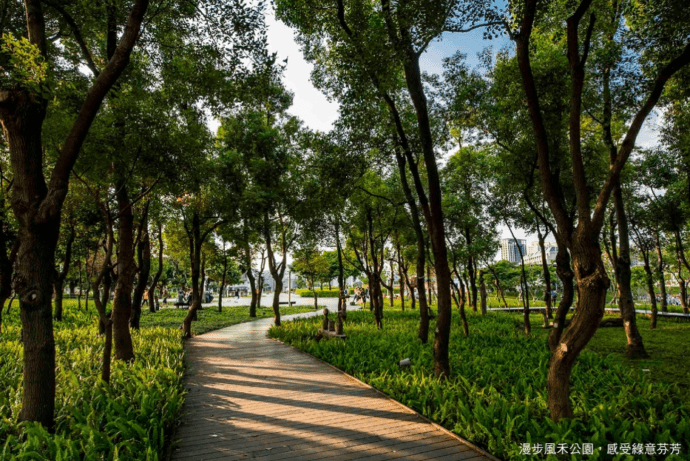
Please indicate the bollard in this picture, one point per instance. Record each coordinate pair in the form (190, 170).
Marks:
(324, 325)
(339, 325)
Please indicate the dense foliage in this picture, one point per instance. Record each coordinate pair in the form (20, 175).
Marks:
(131, 418)
(497, 394)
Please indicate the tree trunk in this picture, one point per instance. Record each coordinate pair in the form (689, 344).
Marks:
(410, 289)
(276, 300)
(649, 278)
(341, 277)
(465, 326)
(547, 274)
(635, 347)
(202, 286)
(144, 258)
(61, 276)
(57, 289)
(159, 272)
(482, 291)
(566, 276)
(423, 332)
(316, 297)
(592, 283)
(122, 303)
(195, 242)
(222, 282)
(660, 273)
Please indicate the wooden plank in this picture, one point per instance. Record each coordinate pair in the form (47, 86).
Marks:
(250, 397)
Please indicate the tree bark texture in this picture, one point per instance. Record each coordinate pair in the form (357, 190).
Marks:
(126, 269)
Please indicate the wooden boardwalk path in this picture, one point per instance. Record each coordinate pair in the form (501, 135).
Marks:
(251, 397)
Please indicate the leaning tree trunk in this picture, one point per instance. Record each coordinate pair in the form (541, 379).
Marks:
(566, 276)
(423, 332)
(626, 305)
(649, 278)
(122, 303)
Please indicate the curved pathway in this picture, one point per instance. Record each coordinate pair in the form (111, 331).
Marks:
(251, 397)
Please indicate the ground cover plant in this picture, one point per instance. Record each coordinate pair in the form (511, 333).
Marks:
(210, 319)
(133, 417)
(496, 396)
(129, 419)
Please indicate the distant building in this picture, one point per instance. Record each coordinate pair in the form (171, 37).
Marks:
(509, 249)
(534, 256)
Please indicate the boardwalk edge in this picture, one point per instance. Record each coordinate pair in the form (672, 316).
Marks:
(467, 443)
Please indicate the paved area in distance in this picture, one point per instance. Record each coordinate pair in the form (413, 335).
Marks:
(251, 397)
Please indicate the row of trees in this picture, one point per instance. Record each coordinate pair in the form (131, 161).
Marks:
(543, 141)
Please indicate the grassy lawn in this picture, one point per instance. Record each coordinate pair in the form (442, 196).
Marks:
(497, 397)
(210, 319)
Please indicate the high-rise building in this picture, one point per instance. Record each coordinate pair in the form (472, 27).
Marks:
(509, 249)
(534, 255)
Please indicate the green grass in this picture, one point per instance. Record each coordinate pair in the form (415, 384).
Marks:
(497, 397)
(209, 318)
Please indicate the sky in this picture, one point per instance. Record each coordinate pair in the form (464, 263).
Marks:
(311, 106)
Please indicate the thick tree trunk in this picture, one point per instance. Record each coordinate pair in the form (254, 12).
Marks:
(122, 303)
(592, 283)
(35, 261)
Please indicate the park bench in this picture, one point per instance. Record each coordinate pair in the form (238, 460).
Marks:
(286, 302)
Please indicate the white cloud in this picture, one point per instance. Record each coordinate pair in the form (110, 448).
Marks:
(309, 104)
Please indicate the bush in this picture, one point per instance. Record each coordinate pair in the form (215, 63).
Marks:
(497, 394)
(332, 293)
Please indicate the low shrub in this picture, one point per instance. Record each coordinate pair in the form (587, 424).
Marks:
(331, 293)
(496, 396)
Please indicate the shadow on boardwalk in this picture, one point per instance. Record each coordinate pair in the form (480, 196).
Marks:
(250, 397)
